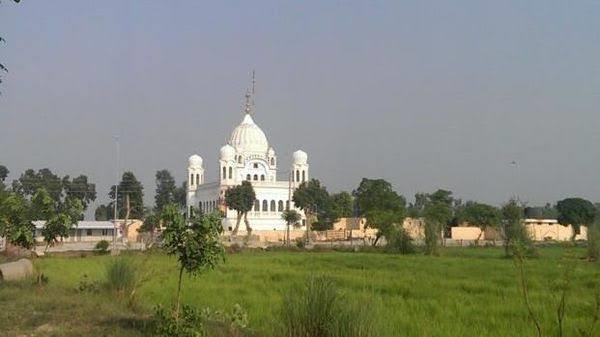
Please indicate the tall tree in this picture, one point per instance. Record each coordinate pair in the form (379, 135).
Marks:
(180, 195)
(380, 205)
(481, 215)
(103, 213)
(196, 244)
(241, 199)
(59, 219)
(512, 228)
(15, 223)
(575, 212)
(438, 212)
(79, 188)
(130, 189)
(3, 173)
(312, 198)
(343, 204)
(165, 190)
(291, 217)
(415, 209)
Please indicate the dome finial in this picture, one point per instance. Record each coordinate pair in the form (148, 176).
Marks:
(249, 106)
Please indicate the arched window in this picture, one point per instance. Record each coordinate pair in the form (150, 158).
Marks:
(248, 177)
(256, 206)
(192, 179)
(197, 179)
(230, 172)
(287, 205)
(239, 159)
(303, 176)
(224, 172)
(272, 161)
(262, 177)
(256, 177)
(280, 206)
(272, 205)
(265, 206)
(297, 175)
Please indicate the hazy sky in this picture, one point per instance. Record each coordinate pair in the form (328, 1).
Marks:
(426, 94)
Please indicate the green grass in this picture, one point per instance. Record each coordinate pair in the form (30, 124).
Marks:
(465, 292)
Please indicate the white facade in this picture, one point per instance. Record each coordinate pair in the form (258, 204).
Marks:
(248, 156)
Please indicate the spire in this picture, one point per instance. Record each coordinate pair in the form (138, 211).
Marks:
(249, 106)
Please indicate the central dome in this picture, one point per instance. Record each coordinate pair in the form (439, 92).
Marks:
(248, 137)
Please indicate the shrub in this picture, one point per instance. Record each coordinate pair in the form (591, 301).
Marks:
(189, 323)
(319, 310)
(398, 241)
(594, 241)
(85, 285)
(300, 242)
(101, 247)
(121, 275)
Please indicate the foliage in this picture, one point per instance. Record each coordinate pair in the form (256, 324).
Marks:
(188, 325)
(314, 200)
(60, 218)
(319, 310)
(301, 242)
(415, 209)
(165, 190)
(86, 285)
(180, 195)
(241, 199)
(151, 223)
(342, 204)
(380, 205)
(398, 241)
(121, 275)
(59, 189)
(103, 213)
(291, 217)
(575, 212)
(15, 223)
(197, 245)
(101, 247)
(437, 213)
(3, 173)
(128, 186)
(481, 215)
(548, 211)
(514, 233)
(593, 237)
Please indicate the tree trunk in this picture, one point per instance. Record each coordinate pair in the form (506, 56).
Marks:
(377, 236)
(237, 223)
(127, 212)
(247, 223)
(178, 294)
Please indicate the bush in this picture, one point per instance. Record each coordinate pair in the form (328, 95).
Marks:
(398, 241)
(121, 275)
(300, 242)
(188, 325)
(319, 310)
(594, 241)
(101, 247)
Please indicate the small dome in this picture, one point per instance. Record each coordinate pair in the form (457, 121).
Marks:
(227, 152)
(300, 157)
(248, 137)
(195, 161)
(271, 152)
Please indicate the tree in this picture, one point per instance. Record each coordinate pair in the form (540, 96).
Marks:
(415, 209)
(241, 199)
(103, 213)
(180, 195)
(129, 188)
(165, 190)
(59, 189)
(511, 226)
(291, 217)
(3, 173)
(380, 205)
(480, 215)
(575, 212)
(197, 245)
(342, 204)
(15, 224)
(438, 212)
(59, 218)
(593, 234)
(311, 197)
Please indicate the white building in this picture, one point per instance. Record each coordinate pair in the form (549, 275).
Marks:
(84, 231)
(248, 156)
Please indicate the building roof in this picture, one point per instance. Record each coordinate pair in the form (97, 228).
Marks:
(248, 137)
(83, 224)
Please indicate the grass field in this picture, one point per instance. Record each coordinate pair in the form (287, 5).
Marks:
(465, 292)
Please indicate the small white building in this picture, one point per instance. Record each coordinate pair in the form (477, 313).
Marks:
(248, 156)
(84, 231)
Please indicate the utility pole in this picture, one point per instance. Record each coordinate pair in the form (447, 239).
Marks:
(114, 243)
